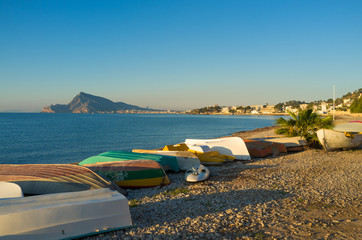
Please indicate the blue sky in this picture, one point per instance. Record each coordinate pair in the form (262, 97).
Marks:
(178, 54)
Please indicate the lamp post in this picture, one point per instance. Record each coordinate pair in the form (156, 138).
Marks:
(334, 96)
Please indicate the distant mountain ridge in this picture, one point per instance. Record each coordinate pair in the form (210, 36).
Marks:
(87, 103)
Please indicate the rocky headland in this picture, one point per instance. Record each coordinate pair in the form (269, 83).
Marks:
(87, 103)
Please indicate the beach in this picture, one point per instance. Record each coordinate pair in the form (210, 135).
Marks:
(304, 195)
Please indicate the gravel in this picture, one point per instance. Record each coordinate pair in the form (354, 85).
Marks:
(304, 195)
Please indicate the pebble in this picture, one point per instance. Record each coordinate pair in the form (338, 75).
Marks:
(246, 200)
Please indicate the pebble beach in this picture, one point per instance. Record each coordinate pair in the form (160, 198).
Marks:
(304, 195)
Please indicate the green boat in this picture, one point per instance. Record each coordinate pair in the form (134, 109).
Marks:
(167, 162)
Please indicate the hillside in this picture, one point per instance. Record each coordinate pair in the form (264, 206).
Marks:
(351, 101)
(87, 103)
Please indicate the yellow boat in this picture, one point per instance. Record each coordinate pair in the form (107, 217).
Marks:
(206, 158)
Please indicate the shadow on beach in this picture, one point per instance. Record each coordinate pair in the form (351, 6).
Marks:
(200, 207)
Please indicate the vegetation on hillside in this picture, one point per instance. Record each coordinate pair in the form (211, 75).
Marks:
(304, 124)
(356, 106)
(207, 110)
(293, 103)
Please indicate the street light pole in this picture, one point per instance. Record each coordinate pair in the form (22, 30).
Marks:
(334, 96)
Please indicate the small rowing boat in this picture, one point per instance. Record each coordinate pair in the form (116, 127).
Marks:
(333, 140)
(64, 215)
(51, 178)
(139, 173)
(233, 146)
(167, 162)
(259, 148)
(197, 173)
(185, 159)
(292, 144)
(203, 153)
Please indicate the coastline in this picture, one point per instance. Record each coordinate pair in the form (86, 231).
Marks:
(305, 195)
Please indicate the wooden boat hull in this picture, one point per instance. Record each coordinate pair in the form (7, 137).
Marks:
(259, 149)
(51, 178)
(233, 146)
(63, 215)
(129, 173)
(292, 144)
(333, 140)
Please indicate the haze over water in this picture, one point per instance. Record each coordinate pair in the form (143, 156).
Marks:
(66, 138)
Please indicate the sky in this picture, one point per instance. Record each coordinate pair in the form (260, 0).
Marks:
(180, 54)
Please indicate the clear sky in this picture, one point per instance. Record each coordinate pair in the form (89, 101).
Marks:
(178, 54)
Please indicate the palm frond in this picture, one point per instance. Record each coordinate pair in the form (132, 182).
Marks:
(304, 124)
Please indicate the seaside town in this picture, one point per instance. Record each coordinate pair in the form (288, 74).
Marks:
(341, 106)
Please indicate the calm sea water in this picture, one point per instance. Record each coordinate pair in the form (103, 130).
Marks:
(66, 138)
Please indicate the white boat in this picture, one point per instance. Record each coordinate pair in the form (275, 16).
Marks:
(197, 173)
(355, 127)
(10, 190)
(233, 146)
(63, 215)
(185, 160)
(333, 140)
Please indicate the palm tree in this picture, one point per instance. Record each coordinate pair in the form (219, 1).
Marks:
(304, 124)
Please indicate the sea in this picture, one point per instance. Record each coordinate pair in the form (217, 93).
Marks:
(67, 138)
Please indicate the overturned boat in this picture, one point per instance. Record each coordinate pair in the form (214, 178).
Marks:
(64, 215)
(168, 162)
(350, 127)
(292, 144)
(35, 179)
(185, 159)
(233, 146)
(138, 173)
(260, 148)
(205, 155)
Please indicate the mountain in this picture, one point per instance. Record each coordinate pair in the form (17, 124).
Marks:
(87, 103)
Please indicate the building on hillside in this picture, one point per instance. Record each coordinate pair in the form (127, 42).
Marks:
(291, 109)
(303, 106)
(347, 102)
(256, 107)
(324, 107)
(225, 110)
(267, 109)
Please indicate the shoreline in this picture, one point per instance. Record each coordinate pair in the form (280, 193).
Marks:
(304, 195)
